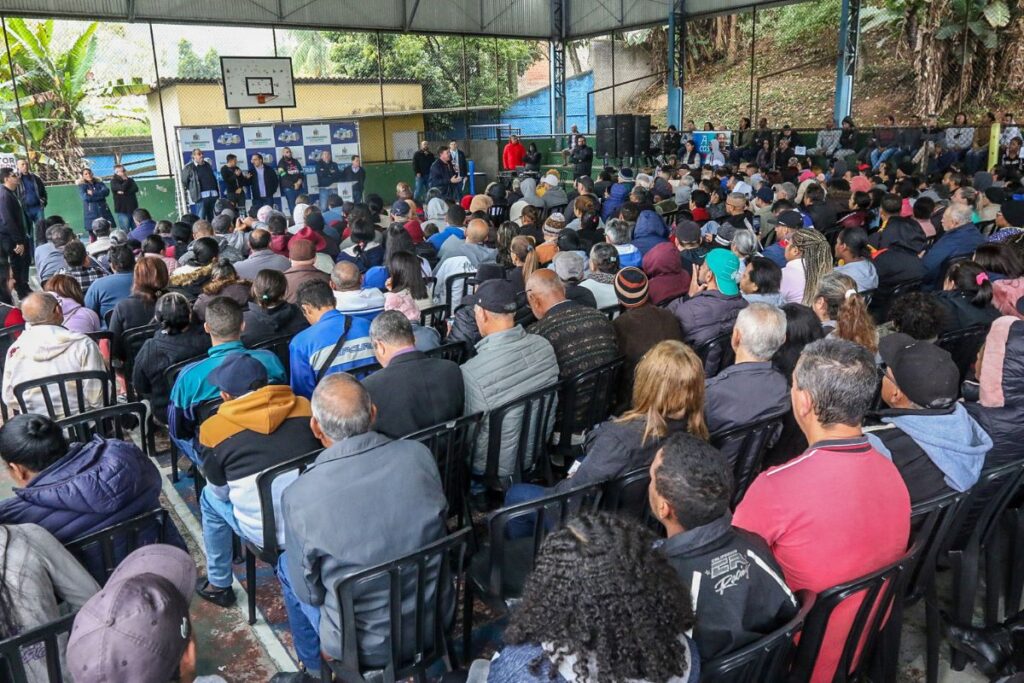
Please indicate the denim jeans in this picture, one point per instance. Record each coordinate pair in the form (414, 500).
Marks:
(186, 447)
(880, 156)
(420, 189)
(204, 208)
(219, 524)
(977, 160)
(303, 620)
(290, 196)
(262, 201)
(521, 527)
(124, 221)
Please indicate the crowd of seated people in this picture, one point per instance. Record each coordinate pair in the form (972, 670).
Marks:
(821, 291)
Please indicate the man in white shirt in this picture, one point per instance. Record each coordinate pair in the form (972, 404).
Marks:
(351, 298)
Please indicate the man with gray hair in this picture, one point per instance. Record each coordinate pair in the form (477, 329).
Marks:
(349, 295)
(100, 229)
(365, 500)
(260, 257)
(960, 239)
(432, 390)
(759, 332)
(619, 234)
(840, 510)
(49, 257)
(568, 266)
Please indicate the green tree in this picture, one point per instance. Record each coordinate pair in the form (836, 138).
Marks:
(191, 65)
(311, 57)
(54, 92)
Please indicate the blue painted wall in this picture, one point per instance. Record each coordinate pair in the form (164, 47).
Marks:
(532, 113)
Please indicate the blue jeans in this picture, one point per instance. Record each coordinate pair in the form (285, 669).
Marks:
(419, 191)
(290, 196)
(303, 620)
(124, 221)
(204, 208)
(521, 527)
(977, 160)
(880, 156)
(186, 447)
(219, 524)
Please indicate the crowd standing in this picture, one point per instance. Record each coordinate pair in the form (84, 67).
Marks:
(745, 284)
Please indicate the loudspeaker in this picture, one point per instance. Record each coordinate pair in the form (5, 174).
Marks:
(625, 132)
(641, 135)
(605, 136)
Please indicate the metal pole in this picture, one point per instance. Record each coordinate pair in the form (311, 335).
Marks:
(380, 83)
(160, 99)
(753, 36)
(613, 73)
(963, 58)
(14, 85)
(273, 34)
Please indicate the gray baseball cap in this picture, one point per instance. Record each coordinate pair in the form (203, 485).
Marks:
(137, 627)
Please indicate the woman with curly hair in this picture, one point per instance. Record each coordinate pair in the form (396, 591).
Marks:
(600, 605)
(808, 259)
(224, 281)
(842, 311)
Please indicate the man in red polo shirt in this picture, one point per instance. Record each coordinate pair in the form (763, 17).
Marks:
(513, 154)
(840, 510)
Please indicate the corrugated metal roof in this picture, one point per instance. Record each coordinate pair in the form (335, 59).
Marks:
(491, 18)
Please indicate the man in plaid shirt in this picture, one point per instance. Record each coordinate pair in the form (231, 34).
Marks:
(80, 266)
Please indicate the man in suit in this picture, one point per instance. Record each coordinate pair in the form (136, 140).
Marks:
(262, 182)
(14, 231)
(234, 182)
(400, 413)
(459, 161)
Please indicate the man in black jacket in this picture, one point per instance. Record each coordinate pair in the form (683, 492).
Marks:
(262, 181)
(582, 158)
(32, 192)
(355, 173)
(327, 173)
(14, 231)
(431, 388)
(201, 185)
(737, 588)
(422, 160)
(234, 182)
(126, 201)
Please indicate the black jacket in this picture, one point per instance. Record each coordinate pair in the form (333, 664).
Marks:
(327, 173)
(233, 182)
(823, 215)
(160, 353)
(961, 313)
(198, 179)
(581, 295)
(40, 187)
(582, 159)
(431, 392)
(129, 313)
(269, 179)
(738, 591)
(288, 179)
(125, 193)
(923, 479)
(262, 324)
(421, 162)
(13, 221)
(727, 403)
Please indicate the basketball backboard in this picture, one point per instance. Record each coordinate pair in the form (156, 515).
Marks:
(257, 82)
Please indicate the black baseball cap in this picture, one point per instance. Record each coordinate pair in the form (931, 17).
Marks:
(925, 373)
(791, 219)
(496, 296)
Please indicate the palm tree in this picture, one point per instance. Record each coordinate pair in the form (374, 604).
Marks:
(312, 54)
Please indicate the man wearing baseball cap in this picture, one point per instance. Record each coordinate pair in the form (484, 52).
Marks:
(1010, 218)
(786, 222)
(137, 628)
(930, 437)
(714, 300)
(509, 363)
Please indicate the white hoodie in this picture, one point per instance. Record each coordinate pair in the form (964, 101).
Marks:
(47, 350)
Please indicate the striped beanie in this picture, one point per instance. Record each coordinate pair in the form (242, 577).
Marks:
(631, 287)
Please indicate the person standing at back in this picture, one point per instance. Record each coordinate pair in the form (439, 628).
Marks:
(200, 183)
(840, 510)
(15, 231)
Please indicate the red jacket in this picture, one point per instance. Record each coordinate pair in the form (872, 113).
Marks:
(512, 156)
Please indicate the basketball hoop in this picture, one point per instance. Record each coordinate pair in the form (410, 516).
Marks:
(263, 99)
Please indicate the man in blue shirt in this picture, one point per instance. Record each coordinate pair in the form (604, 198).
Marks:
(50, 255)
(455, 218)
(192, 387)
(104, 293)
(144, 225)
(960, 239)
(788, 221)
(332, 343)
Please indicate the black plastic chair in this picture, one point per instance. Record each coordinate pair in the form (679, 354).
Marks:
(270, 551)
(131, 345)
(499, 569)
(452, 446)
(611, 311)
(868, 295)
(7, 339)
(766, 659)
(435, 317)
(279, 347)
(882, 298)
(586, 400)
(12, 669)
(976, 538)
(457, 280)
(498, 214)
(963, 345)
(457, 352)
(78, 382)
(117, 541)
(627, 495)
(534, 415)
(420, 630)
(746, 447)
(716, 354)
(112, 422)
(877, 591)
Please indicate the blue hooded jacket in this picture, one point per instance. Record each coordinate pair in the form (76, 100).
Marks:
(650, 231)
(97, 484)
(617, 196)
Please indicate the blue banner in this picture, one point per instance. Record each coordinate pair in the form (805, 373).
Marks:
(346, 132)
(702, 139)
(286, 136)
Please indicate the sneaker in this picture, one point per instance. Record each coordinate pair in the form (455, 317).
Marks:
(223, 597)
(295, 677)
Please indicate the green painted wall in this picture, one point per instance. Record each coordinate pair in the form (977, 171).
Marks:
(157, 195)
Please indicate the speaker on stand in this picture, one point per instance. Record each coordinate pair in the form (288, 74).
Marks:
(625, 132)
(641, 137)
(605, 136)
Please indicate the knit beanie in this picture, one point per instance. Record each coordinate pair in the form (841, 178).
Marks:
(631, 287)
